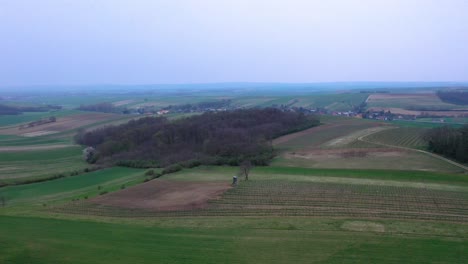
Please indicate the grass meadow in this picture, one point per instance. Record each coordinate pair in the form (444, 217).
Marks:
(231, 240)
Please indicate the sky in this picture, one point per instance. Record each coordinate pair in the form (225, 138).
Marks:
(57, 42)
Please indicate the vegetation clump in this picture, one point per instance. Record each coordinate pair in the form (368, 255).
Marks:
(449, 141)
(104, 107)
(458, 97)
(211, 138)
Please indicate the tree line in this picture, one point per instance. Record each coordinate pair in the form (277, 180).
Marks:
(229, 137)
(17, 110)
(104, 107)
(459, 97)
(449, 141)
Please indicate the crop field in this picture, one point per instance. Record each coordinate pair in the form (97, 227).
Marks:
(279, 216)
(317, 137)
(409, 101)
(332, 102)
(9, 120)
(72, 187)
(62, 124)
(410, 137)
(278, 198)
(328, 197)
(230, 240)
(24, 165)
(357, 144)
(295, 195)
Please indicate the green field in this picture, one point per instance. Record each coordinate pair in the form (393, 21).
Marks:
(332, 102)
(339, 193)
(294, 215)
(72, 187)
(410, 137)
(407, 101)
(8, 120)
(349, 143)
(233, 240)
(23, 166)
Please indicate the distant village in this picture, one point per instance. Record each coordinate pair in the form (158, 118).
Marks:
(359, 111)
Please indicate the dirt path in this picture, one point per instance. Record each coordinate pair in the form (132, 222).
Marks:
(362, 138)
(36, 147)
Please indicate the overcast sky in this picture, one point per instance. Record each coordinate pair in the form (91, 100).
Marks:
(198, 41)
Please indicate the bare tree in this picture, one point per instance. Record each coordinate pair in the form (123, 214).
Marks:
(245, 168)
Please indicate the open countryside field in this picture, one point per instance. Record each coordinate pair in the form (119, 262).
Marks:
(278, 194)
(339, 144)
(328, 197)
(411, 137)
(332, 102)
(417, 104)
(72, 187)
(230, 240)
(295, 214)
(62, 124)
(24, 165)
(10, 120)
(409, 101)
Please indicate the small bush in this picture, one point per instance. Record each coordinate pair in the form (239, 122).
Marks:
(103, 192)
(172, 168)
(191, 163)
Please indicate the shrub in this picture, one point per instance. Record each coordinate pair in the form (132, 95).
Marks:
(172, 168)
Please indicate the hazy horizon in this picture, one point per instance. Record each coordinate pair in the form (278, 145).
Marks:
(201, 42)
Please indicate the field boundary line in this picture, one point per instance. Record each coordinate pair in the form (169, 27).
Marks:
(361, 138)
(34, 147)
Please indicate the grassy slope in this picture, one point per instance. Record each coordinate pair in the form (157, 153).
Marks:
(20, 166)
(302, 151)
(227, 239)
(222, 240)
(72, 187)
(276, 240)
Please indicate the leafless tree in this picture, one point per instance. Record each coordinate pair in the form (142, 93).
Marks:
(245, 168)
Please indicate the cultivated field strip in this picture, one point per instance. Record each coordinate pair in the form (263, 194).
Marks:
(410, 137)
(281, 198)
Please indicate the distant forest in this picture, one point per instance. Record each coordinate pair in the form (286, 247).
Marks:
(99, 107)
(459, 97)
(17, 110)
(450, 142)
(229, 137)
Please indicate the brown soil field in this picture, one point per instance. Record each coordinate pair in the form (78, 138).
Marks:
(374, 97)
(345, 153)
(62, 124)
(164, 195)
